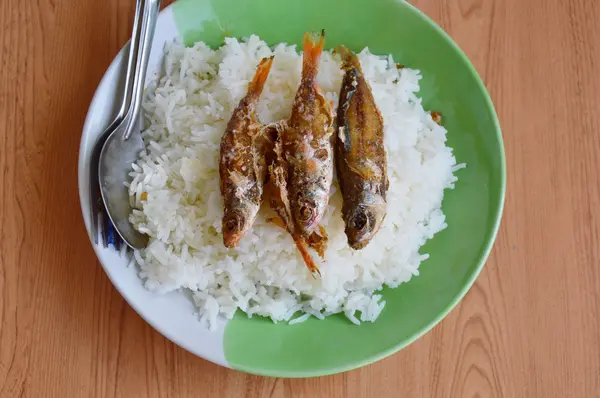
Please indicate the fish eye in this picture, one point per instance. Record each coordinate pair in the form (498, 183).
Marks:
(233, 223)
(360, 221)
(363, 220)
(306, 213)
(230, 224)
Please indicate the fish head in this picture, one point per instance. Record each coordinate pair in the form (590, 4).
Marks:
(235, 224)
(306, 216)
(363, 223)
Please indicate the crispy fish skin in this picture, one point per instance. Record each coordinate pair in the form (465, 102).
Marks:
(307, 145)
(242, 162)
(360, 155)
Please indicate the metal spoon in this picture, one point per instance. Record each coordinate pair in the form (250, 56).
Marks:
(122, 147)
(123, 109)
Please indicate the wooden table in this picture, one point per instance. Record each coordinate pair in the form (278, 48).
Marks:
(530, 327)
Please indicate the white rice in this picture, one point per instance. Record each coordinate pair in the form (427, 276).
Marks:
(186, 113)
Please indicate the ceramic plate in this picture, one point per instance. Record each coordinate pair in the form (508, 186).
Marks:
(473, 209)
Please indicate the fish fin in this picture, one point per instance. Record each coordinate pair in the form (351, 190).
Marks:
(279, 194)
(318, 241)
(264, 145)
(312, 47)
(365, 171)
(310, 264)
(260, 77)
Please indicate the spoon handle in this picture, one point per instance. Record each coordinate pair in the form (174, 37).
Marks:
(134, 45)
(148, 25)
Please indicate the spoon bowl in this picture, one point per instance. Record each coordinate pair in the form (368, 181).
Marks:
(116, 157)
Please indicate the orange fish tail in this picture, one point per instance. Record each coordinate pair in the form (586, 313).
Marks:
(312, 48)
(260, 77)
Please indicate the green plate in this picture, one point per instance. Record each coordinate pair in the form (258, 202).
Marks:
(451, 85)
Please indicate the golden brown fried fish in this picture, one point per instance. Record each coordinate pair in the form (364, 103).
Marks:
(281, 204)
(307, 146)
(243, 164)
(360, 155)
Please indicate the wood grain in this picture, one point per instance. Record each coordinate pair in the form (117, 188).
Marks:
(530, 327)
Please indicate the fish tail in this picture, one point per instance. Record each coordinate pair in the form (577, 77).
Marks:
(260, 77)
(349, 59)
(312, 48)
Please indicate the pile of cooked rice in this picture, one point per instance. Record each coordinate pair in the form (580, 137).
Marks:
(175, 187)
